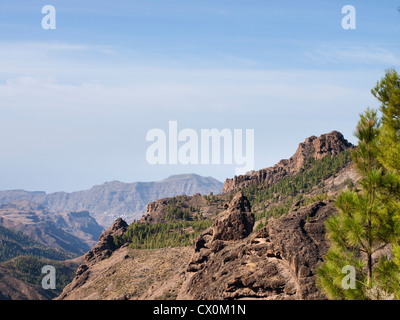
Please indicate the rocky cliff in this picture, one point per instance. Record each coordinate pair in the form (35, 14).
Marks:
(329, 144)
(115, 199)
(276, 262)
(103, 249)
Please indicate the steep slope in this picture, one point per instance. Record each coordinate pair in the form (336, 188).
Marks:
(21, 262)
(14, 243)
(228, 261)
(73, 232)
(12, 288)
(110, 273)
(21, 277)
(115, 199)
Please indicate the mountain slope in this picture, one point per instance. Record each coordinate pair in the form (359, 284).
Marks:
(74, 232)
(115, 199)
(12, 288)
(21, 262)
(14, 243)
(265, 241)
(21, 277)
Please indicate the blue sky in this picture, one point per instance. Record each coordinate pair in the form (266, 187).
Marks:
(76, 102)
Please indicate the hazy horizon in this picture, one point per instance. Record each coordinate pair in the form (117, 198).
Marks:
(77, 102)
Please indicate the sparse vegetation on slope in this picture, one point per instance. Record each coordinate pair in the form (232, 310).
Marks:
(14, 243)
(161, 235)
(29, 270)
(182, 221)
(279, 197)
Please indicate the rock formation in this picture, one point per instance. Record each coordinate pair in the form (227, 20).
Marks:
(313, 147)
(104, 248)
(277, 262)
(236, 222)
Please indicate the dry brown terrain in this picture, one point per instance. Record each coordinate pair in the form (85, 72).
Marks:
(134, 274)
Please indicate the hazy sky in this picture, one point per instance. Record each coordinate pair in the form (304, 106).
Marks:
(76, 102)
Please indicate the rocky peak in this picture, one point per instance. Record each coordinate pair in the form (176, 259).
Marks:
(104, 248)
(239, 202)
(236, 222)
(318, 147)
(106, 245)
(329, 144)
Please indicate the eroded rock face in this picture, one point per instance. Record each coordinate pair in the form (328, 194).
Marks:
(329, 144)
(104, 248)
(236, 222)
(277, 262)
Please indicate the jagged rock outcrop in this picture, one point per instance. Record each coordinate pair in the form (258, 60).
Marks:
(157, 210)
(111, 273)
(228, 260)
(313, 147)
(236, 222)
(104, 248)
(277, 262)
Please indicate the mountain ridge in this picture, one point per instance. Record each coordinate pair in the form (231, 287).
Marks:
(114, 199)
(313, 147)
(249, 252)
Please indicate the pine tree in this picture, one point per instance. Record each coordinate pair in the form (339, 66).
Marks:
(387, 91)
(368, 221)
(363, 226)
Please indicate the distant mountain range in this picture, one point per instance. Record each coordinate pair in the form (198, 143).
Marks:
(68, 232)
(115, 199)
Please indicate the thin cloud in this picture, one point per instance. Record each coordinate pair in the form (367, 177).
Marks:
(354, 54)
